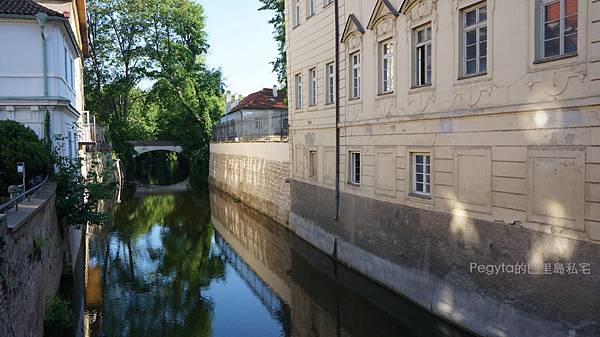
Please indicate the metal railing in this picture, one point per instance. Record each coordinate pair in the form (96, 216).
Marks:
(266, 128)
(14, 202)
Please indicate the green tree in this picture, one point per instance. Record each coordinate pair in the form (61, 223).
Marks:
(162, 44)
(20, 144)
(278, 21)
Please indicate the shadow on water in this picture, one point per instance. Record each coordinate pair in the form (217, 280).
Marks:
(186, 264)
(160, 168)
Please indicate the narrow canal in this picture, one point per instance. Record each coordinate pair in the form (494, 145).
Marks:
(186, 264)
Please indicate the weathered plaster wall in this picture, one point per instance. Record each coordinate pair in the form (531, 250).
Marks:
(28, 277)
(256, 173)
(426, 255)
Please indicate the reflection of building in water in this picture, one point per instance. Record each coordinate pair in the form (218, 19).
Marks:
(326, 300)
(276, 307)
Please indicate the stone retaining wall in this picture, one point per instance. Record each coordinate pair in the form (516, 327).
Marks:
(29, 272)
(255, 173)
(427, 256)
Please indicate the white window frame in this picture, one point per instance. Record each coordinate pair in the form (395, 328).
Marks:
(296, 13)
(542, 4)
(477, 28)
(425, 191)
(312, 86)
(355, 75)
(311, 8)
(71, 72)
(313, 164)
(355, 168)
(422, 52)
(66, 65)
(298, 89)
(386, 66)
(330, 85)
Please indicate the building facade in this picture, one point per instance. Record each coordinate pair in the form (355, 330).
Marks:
(469, 132)
(41, 68)
(261, 116)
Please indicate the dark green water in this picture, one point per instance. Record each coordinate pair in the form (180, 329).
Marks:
(188, 264)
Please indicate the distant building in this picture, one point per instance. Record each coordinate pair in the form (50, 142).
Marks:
(41, 66)
(262, 115)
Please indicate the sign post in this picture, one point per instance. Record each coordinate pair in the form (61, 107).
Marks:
(21, 172)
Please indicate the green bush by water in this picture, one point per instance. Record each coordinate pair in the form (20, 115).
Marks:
(59, 319)
(20, 144)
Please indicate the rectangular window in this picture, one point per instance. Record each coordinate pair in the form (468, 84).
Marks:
(421, 174)
(474, 40)
(330, 88)
(312, 86)
(298, 81)
(66, 57)
(296, 14)
(71, 73)
(386, 67)
(312, 164)
(354, 168)
(70, 143)
(355, 75)
(559, 28)
(310, 8)
(422, 74)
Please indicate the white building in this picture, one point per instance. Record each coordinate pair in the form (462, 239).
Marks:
(262, 115)
(41, 66)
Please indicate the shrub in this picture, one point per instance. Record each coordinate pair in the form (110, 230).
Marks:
(77, 197)
(59, 319)
(20, 144)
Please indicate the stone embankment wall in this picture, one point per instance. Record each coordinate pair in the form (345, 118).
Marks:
(31, 261)
(254, 173)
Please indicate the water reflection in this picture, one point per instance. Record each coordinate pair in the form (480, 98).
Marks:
(160, 168)
(204, 265)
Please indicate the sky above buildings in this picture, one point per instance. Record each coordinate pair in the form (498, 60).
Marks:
(241, 44)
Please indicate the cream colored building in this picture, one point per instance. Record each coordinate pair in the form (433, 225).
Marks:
(481, 115)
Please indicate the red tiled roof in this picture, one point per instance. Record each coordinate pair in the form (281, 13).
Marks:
(25, 7)
(262, 100)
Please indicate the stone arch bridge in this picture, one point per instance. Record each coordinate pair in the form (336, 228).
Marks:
(141, 147)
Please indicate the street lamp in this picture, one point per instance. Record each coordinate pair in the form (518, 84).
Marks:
(21, 172)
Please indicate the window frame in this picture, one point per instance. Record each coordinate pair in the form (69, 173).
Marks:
(422, 46)
(355, 75)
(313, 162)
(330, 83)
(312, 86)
(298, 91)
(386, 85)
(311, 8)
(540, 37)
(296, 14)
(354, 171)
(426, 162)
(477, 28)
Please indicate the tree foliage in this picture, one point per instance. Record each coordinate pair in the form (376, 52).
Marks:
(159, 45)
(278, 21)
(20, 144)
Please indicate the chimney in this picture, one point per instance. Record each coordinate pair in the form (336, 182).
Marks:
(275, 93)
(228, 106)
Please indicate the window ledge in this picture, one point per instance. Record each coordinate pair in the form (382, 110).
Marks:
(420, 196)
(466, 77)
(384, 94)
(555, 58)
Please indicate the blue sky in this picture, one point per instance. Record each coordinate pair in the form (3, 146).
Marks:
(241, 43)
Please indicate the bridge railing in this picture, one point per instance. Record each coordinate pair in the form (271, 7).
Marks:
(264, 128)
